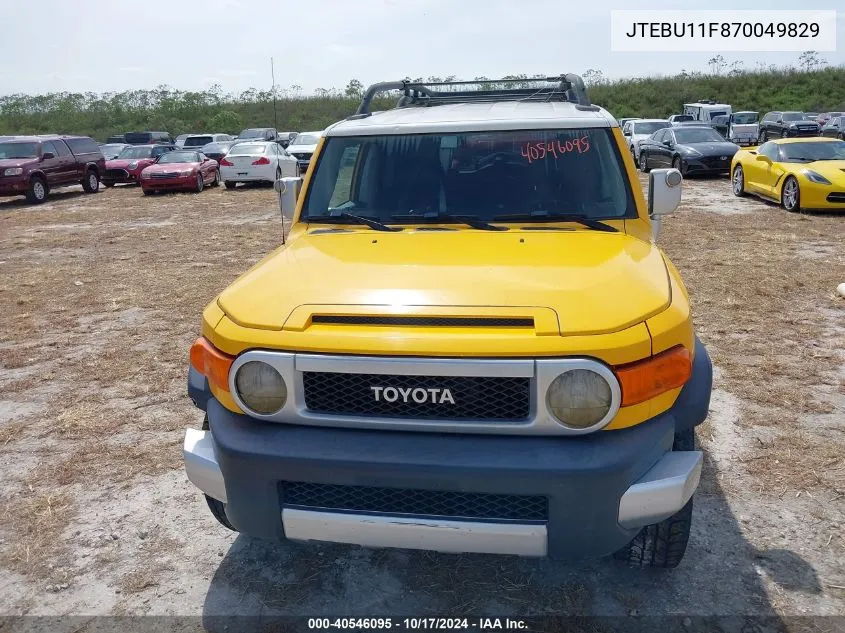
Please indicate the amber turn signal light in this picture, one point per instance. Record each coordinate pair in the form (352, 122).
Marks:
(646, 379)
(211, 363)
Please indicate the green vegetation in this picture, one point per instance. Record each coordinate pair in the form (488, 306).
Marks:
(213, 111)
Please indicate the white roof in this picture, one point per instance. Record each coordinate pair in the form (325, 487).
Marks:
(474, 117)
(707, 106)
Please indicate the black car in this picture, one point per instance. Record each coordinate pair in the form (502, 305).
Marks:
(218, 150)
(786, 124)
(258, 134)
(690, 149)
(834, 128)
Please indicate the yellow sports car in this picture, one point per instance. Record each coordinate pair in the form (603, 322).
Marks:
(799, 173)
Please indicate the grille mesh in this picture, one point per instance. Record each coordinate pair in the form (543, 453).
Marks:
(475, 397)
(431, 503)
(424, 321)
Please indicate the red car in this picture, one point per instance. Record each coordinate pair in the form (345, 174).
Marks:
(131, 161)
(188, 171)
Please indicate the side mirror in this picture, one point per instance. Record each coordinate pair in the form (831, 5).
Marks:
(664, 195)
(763, 159)
(288, 189)
(47, 155)
(667, 143)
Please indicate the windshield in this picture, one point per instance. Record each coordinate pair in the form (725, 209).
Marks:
(306, 139)
(178, 157)
(397, 179)
(685, 136)
(248, 149)
(808, 152)
(743, 118)
(684, 117)
(649, 127)
(136, 152)
(197, 141)
(793, 116)
(19, 150)
(217, 147)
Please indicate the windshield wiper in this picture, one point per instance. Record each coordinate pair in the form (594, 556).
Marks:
(469, 220)
(545, 216)
(349, 218)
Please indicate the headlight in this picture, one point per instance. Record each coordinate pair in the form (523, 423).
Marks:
(690, 151)
(579, 398)
(133, 164)
(260, 387)
(187, 172)
(13, 171)
(816, 177)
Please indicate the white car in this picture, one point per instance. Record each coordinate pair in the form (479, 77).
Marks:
(261, 161)
(180, 140)
(303, 146)
(635, 131)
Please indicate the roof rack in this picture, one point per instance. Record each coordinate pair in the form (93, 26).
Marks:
(568, 87)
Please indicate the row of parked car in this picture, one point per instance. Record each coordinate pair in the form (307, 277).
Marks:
(32, 166)
(705, 137)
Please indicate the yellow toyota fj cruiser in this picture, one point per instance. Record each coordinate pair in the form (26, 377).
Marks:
(467, 342)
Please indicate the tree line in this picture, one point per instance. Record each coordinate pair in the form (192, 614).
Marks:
(176, 111)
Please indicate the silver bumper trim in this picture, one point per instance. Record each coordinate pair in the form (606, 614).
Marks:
(416, 533)
(662, 491)
(201, 464)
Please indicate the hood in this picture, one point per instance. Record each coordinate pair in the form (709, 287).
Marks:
(123, 163)
(713, 148)
(170, 167)
(833, 170)
(16, 162)
(595, 282)
(802, 124)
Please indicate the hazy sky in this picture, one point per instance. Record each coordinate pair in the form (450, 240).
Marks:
(113, 45)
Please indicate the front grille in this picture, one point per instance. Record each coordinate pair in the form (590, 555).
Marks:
(475, 397)
(428, 503)
(302, 156)
(715, 161)
(424, 321)
(116, 174)
(164, 175)
(836, 196)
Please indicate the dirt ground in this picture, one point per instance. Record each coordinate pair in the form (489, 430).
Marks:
(101, 297)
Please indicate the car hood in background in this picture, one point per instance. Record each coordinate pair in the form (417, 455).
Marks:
(5, 163)
(714, 148)
(170, 167)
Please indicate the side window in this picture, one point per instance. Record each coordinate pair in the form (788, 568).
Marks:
(82, 146)
(47, 146)
(343, 186)
(660, 136)
(158, 151)
(769, 150)
(61, 148)
(626, 129)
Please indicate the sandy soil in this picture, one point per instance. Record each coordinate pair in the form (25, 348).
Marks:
(101, 297)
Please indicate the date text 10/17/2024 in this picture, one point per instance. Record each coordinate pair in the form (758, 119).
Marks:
(416, 624)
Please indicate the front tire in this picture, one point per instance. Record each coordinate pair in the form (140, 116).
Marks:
(216, 181)
(662, 545)
(644, 162)
(678, 164)
(218, 508)
(38, 190)
(764, 136)
(91, 183)
(200, 183)
(148, 192)
(790, 196)
(230, 185)
(738, 181)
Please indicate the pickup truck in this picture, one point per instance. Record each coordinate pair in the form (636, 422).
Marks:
(32, 166)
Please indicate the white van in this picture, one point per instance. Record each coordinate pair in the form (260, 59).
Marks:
(705, 110)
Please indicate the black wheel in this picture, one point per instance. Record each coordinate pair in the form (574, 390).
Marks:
(790, 196)
(842, 136)
(298, 171)
(230, 185)
(37, 192)
(216, 181)
(218, 508)
(91, 183)
(200, 183)
(661, 545)
(679, 164)
(148, 192)
(764, 136)
(738, 181)
(644, 163)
